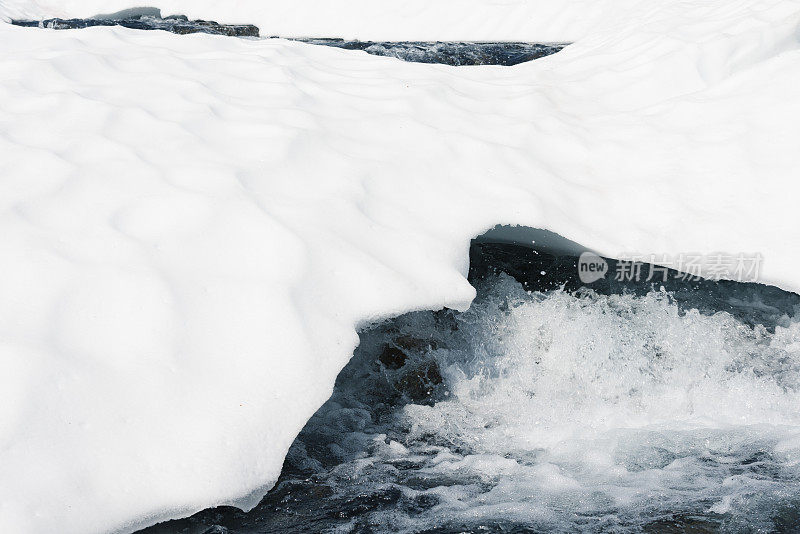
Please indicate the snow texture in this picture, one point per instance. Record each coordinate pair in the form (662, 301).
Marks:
(193, 227)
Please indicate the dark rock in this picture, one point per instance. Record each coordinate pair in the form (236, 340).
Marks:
(547, 268)
(176, 24)
(449, 53)
(415, 343)
(353, 508)
(420, 383)
(392, 358)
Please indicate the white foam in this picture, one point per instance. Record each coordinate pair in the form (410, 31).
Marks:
(571, 412)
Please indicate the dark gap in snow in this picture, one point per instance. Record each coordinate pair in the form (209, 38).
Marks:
(441, 422)
(541, 260)
(447, 53)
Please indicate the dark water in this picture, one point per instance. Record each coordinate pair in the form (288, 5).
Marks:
(551, 407)
(447, 53)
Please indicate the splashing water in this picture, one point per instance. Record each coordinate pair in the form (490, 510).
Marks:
(589, 411)
(553, 411)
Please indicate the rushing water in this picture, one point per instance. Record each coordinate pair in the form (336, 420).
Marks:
(556, 410)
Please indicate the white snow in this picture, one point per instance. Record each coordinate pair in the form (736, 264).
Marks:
(192, 227)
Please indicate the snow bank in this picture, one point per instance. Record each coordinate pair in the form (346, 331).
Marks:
(192, 227)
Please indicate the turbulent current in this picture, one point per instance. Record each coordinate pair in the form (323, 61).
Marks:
(554, 410)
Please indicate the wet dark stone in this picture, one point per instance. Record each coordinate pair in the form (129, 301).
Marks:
(540, 269)
(449, 53)
(392, 358)
(420, 383)
(175, 24)
(415, 343)
(208, 521)
(368, 503)
(289, 507)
